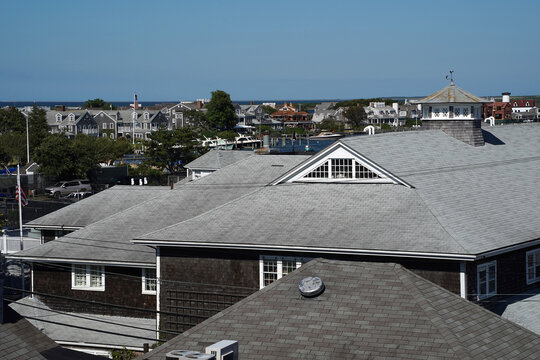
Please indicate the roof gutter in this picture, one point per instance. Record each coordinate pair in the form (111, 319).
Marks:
(52, 227)
(79, 261)
(98, 346)
(407, 254)
(507, 249)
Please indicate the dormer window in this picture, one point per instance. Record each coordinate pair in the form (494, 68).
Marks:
(71, 117)
(527, 104)
(146, 116)
(341, 169)
(58, 117)
(134, 115)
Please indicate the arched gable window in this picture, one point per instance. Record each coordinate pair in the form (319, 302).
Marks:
(146, 116)
(58, 117)
(71, 117)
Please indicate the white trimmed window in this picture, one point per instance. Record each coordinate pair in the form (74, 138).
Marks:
(341, 169)
(273, 268)
(88, 277)
(149, 281)
(533, 266)
(104, 126)
(486, 279)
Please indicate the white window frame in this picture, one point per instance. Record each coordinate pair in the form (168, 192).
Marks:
(485, 267)
(279, 259)
(534, 253)
(144, 287)
(88, 270)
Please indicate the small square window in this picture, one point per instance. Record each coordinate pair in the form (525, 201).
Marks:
(533, 266)
(88, 277)
(275, 267)
(149, 281)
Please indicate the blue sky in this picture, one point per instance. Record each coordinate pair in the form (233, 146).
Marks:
(173, 50)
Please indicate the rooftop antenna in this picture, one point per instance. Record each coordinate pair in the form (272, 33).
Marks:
(451, 77)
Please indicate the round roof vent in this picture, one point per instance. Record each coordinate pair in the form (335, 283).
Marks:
(311, 286)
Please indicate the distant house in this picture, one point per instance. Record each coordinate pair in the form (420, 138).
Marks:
(365, 311)
(290, 117)
(326, 110)
(379, 113)
(72, 122)
(522, 105)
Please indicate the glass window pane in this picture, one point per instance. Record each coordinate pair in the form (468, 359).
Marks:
(270, 271)
(80, 275)
(288, 266)
(96, 279)
(150, 282)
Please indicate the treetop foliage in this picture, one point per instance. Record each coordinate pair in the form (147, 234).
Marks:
(221, 114)
(98, 103)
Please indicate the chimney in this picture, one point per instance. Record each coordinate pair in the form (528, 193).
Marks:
(396, 107)
(506, 97)
(251, 103)
(199, 104)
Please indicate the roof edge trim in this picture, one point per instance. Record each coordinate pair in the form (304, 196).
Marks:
(423, 255)
(78, 261)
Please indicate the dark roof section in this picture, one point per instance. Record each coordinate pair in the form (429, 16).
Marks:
(368, 310)
(21, 340)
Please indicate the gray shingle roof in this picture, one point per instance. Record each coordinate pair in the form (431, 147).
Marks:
(108, 240)
(216, 159)
(22, 341)
(368, 310)
(111, 330)
(464, 201)
(451, 94)
(99, 206)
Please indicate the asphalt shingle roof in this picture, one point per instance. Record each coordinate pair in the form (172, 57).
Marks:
(216, 159)
(99, 206)
(464, 200)
(108, 240)
(368, 310)
(20, 340)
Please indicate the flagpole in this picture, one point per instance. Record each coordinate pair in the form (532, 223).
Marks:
(19, 189)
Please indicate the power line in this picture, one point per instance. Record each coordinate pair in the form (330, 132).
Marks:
(87, 318)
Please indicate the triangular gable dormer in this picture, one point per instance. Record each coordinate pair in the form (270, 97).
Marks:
(339, 164)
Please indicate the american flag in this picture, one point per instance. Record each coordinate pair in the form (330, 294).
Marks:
(24, 199)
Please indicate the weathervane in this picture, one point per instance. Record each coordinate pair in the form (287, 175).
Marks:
(451, 77)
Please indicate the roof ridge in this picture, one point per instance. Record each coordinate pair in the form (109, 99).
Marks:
(435, 215)
(424, 304)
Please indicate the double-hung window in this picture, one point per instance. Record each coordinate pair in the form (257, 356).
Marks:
(486, 279)
(533, 266)
(88, 277)
(273, 268)
(149, 281)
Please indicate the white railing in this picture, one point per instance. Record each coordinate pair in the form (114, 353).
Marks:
(12, 244)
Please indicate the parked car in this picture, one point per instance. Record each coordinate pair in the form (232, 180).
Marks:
(66, 187)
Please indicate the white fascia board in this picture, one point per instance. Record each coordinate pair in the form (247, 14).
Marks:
(52, 227)
(507, 249)
(97, 346)
(78, 261)
(392, 253)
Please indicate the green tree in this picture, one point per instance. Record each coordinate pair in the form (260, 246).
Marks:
(5, 158)
(14, 144)
(109, 150)
(355, 115)
(269, 109)
(221, 115)
(12, 120)
(56, 157)
(98, 104)
(38, 129)
(196, 119)
(171, 149)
